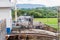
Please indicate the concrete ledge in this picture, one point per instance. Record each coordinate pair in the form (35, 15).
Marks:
(6, 4)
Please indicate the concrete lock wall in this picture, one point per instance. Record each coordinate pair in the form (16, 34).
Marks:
(5, 13)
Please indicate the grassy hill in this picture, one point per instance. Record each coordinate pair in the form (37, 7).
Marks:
(53, 22)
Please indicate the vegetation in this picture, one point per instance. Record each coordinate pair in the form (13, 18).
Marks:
(42, 12)
(47, 15)
(53, 22)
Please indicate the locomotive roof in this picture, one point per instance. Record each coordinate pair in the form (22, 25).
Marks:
(24, 17)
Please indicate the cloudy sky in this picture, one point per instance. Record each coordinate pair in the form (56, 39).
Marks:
(43, 2)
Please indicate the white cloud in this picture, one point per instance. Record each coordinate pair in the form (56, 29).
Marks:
(44, 2)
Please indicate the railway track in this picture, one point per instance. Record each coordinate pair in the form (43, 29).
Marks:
(31, 35)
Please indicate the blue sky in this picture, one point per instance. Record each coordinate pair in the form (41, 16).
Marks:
(44, 2)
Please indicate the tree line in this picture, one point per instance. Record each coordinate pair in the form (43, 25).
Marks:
(40, 12)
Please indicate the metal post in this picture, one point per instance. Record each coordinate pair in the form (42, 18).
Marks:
(58, 23)
(15, 11)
